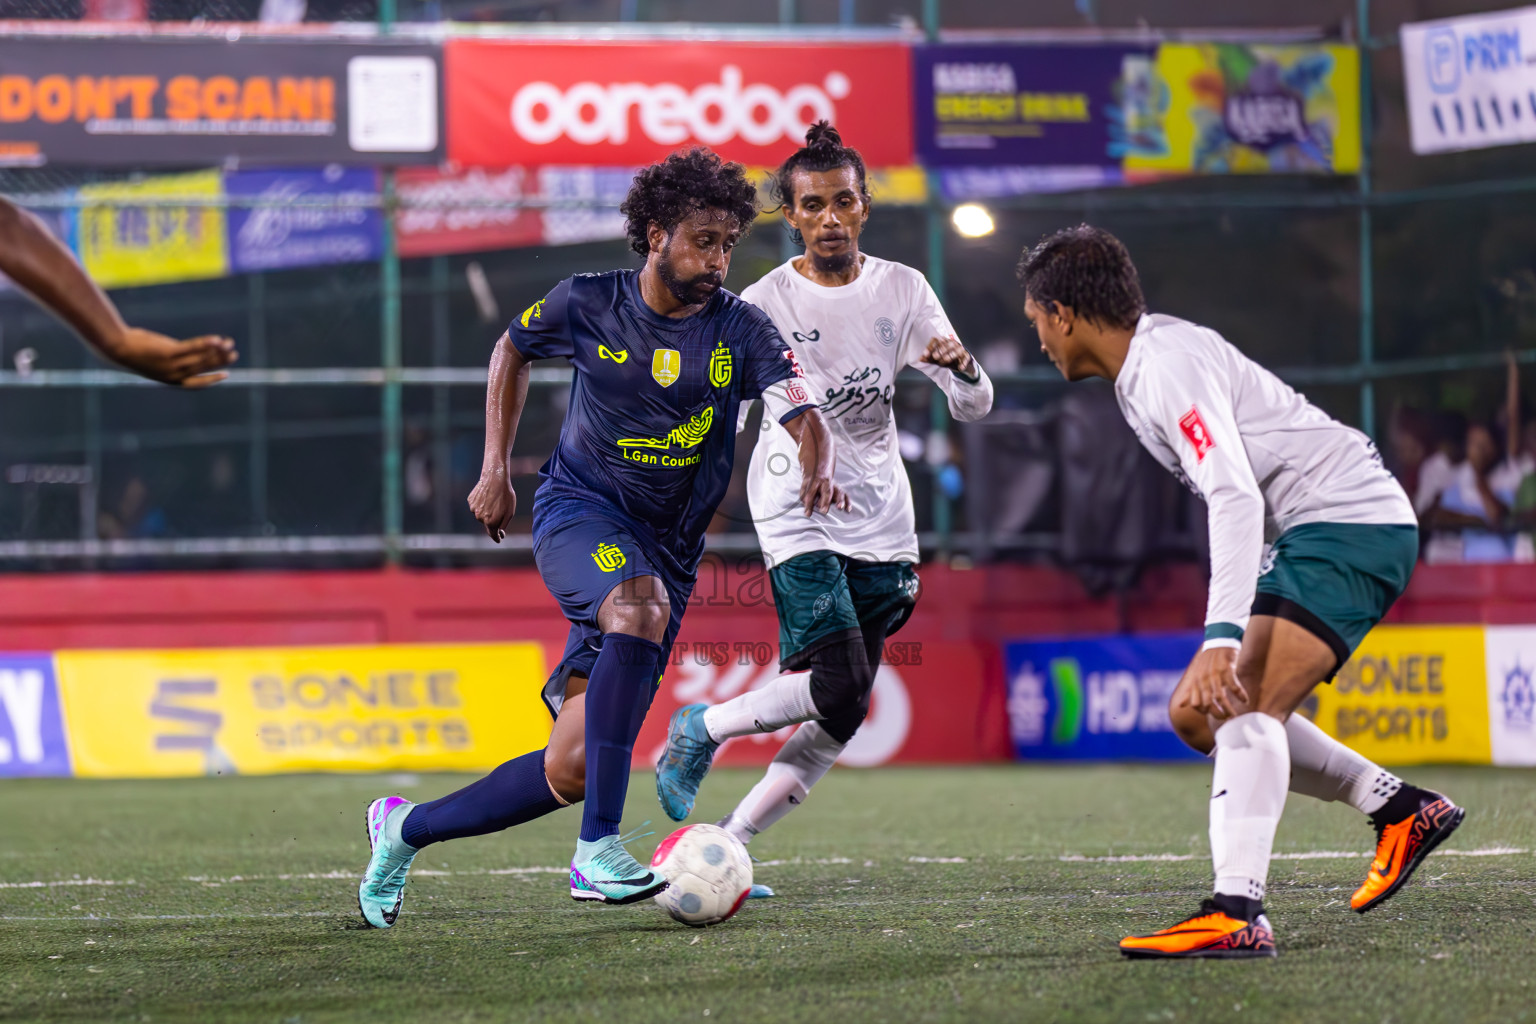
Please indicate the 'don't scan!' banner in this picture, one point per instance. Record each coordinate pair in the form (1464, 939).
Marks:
(135, 714)
(1412, 695)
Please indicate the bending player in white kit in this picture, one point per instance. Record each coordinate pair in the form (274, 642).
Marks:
(1341, 544)
(843, 582)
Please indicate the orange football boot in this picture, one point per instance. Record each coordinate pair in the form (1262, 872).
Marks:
(1209, 934)
(1402, 845)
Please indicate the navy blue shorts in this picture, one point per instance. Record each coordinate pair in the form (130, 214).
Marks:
(584, 551)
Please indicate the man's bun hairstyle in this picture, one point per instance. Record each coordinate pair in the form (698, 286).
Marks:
(823, 151)
(681, 185)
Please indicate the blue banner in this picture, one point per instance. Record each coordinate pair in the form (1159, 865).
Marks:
(1020, 106)
(31, 727)
(1100, 699)
(305, 218)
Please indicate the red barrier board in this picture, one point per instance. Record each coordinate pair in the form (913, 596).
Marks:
(630, 103)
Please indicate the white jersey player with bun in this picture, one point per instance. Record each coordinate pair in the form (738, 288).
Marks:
(1312, 540)
(851, 342)
(843, 583)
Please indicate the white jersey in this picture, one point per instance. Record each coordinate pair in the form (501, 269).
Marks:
(1263, 457)
(851, 341)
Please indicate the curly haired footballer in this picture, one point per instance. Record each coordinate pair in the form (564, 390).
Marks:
(668, 192)
(1088, 269)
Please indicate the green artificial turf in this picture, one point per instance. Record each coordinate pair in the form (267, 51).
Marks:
(947, 894)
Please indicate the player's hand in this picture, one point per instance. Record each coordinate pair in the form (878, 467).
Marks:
(820, 494)
(493, 502)
(182, 364)
(1210, 685)
(950, 353)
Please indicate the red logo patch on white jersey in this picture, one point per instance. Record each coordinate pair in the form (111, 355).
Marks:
(795, 392)
(1196, 433)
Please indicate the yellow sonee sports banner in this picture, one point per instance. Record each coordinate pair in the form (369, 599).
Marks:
(264, 710)
(1412, 695)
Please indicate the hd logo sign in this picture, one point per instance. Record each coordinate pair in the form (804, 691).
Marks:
(1102, 699)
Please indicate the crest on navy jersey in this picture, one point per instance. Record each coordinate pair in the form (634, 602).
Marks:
(666, 365)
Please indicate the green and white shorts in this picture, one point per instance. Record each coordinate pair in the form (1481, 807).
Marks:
(824, 597)
(1336, 580)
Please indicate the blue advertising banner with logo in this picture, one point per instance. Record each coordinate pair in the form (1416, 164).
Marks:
(1101, 699)
(1023, 106)
(31, 726)
(301, 218)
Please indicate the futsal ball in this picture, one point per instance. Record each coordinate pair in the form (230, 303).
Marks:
(708, 871)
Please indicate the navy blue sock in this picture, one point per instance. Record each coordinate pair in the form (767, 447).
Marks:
(618, 696)
(512, 794)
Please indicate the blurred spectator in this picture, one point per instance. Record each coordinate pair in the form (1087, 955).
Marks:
(1517, 473)
(1411, 439)
(1467, 518)
(1439, 467)
(133, 516)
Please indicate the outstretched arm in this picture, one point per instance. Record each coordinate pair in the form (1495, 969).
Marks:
(34, 259)
(493, 501)
(817, 460)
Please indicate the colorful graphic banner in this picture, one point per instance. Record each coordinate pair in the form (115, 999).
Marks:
(1412, 695)
(630, 103)
(1236, 108)
(1471, 82)
(1099, 699)
(31, 728)
(123, 245)
(264, 710)
(1010, 120)
(1511, 658)
(302, 218)
(130, 102)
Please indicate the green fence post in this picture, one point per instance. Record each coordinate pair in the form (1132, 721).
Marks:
(389, 345)
(255, 351)
(938, 404)
(1367, 241)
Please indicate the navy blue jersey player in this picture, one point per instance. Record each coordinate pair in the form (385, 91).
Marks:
(663, 358)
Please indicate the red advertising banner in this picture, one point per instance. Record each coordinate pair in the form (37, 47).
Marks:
(631, 103)
(468, 211)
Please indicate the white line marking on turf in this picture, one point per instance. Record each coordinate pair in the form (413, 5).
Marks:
(1068, 858)
(1137, 858)
(64, 881)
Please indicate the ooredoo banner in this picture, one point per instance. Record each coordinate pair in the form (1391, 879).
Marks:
(156, 101)
(631, 103)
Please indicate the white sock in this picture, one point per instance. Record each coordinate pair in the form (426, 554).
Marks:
(807, 756)
(786, 700)
(1253, 763)
(1323, 767)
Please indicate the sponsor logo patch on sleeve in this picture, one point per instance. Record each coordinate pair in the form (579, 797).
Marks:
(796, 391)
(1195, 433)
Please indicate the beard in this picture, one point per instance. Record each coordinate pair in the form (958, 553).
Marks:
(835, 264)
(690, 291)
